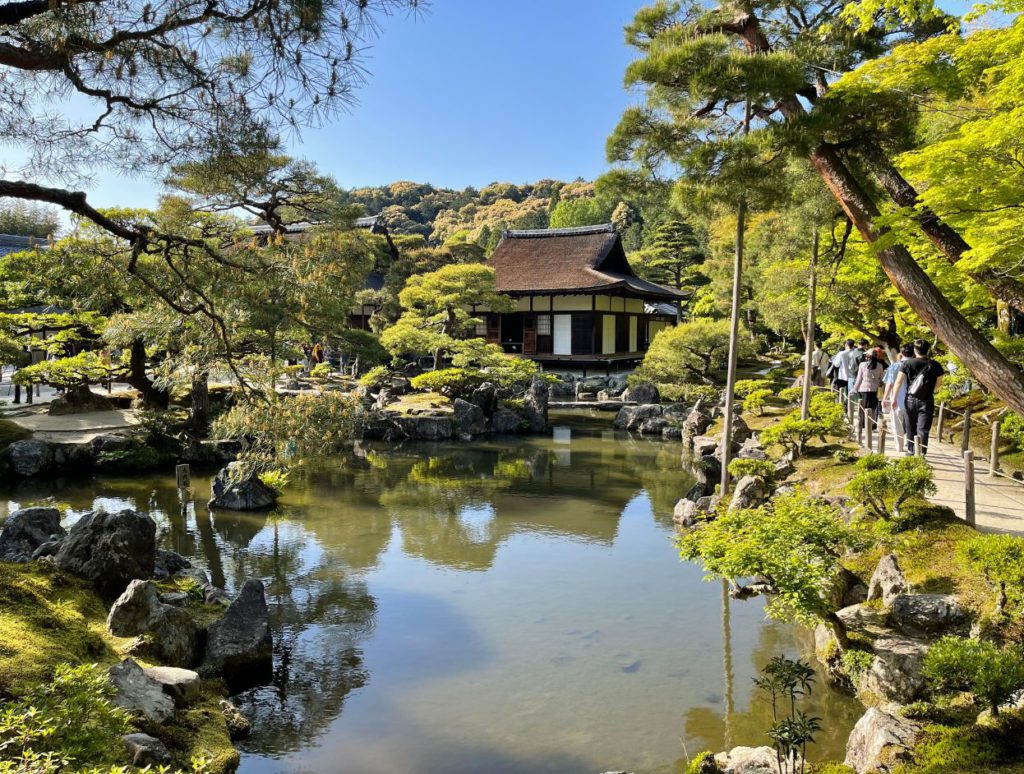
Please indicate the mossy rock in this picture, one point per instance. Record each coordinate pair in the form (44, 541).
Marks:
(200, 731)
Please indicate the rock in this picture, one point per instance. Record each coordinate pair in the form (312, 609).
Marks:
(653, 426)
(26, 530)
(167, 563)
(704, 446)
(109, 443)
(506, 421)
(927, 613)
(49, 548)
(110, 549)
(145, 750)
(30, 457)
(783, 468)
(747, 760)
(238, 724)
(887, 582)
(238, 489)
(708, 471)
(135, 691)
(468, 417)
(895, 672)
(709, 503)
(426, 428)
(696, 492)
(169, 632)
(740, 432)
(215, 596)
(239, 646)
(671, 433)
(175, 598)
(750, 492)
(686, 514)
(485, 396)
(880, 740)
(588, 386)
(193, 573)
(751, 450)
(223, 450)
(696, 423)
(182, 685)
(642, 393)
(631, 417)
(535, 406)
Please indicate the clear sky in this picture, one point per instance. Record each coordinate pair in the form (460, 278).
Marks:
(470, 92)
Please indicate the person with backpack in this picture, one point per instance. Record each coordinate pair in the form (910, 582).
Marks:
(845, 368)
(922, 377)
(869, 379)
(894, 402)
(819, 366)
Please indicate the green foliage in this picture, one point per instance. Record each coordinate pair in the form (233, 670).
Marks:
(754, 401)
(687, 393)
(855, 663)
(67, 372)
(137, 459)
(450, 382)
(275, 479)
(28, 219)
(698, 763)
(1000, 559)
(793, 542)
(375, 378)
(1012, 429)
(990, 672)
(748, 467)
(72, 717)
(744, 387)
(956, 747)
(786, 681)
(363, 345)
(690, 352)
(791, 394)
(883, 485)
(825, 418)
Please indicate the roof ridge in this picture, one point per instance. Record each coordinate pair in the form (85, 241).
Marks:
(539, 233)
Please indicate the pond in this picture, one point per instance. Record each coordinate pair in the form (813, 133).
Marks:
(503, 606)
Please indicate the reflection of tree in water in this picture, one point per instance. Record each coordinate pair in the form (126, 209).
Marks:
(319, 616)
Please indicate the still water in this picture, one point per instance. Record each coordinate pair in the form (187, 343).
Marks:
(511, 606)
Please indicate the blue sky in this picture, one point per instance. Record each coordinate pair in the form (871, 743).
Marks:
(471, 92)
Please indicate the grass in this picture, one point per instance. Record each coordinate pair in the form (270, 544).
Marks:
(949, 749)
(11, 431)
(420, 401)
(48, 617)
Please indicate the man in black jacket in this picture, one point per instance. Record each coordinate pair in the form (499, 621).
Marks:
(922, 377)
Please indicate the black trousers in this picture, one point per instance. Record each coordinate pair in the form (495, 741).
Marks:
(918, 422)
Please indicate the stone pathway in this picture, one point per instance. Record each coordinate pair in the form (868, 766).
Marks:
(71, 428)
(999, 502)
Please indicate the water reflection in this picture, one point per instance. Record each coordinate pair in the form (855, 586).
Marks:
(508, 606)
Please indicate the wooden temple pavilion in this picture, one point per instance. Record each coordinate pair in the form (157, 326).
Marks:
(578, 299)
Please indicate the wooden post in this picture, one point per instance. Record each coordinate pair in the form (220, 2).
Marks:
(850, 407)
(869, 421)
(881, 436)
(860, 426)
(969, 510)
(184, 476)
(965, 442)
(942, 419)
(918, 446)
(28, 395)
(993, 458)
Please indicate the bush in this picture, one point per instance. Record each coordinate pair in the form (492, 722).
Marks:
(825, 418)
(1013, 430)
(375, 378)
(744, 387)
(275, 479)
(137, 459)
(791, 394)
(321, 371)
(690, 352)
(855, 664)
(882, 485)
(1000, 559)
(688, 393)
(698, 763)
(754, 402)
(738, 468)
(450, 382)
(70, 721)
(991, 673)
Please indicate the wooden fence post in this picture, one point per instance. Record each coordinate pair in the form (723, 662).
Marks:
(965, 442)
(849, 410)
(918, 446)
(881, 436)
(861, 418)
(993, 459)
(942, 419)
(869, 421)
(969, 510)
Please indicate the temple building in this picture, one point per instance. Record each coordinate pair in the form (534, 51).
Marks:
(578, 300)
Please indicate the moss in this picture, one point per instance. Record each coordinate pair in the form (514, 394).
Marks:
(200, 732)
(831, 767)
(419, 401)
(11, 432)
(47, 618)
(944, 749)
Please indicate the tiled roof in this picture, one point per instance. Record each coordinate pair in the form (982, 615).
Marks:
(573, 260)
(372, 222)
(14, 243)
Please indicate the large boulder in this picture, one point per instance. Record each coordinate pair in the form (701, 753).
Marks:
(168, 632)
(78, 400)
(468, 417)
(895, 671)
(879, 741)
(707, 470)
(704, 446)
(535, 406)
(425, 427)
(26, 530)
(506, 421)
(145, 750)
(750, 492)
(747, 760)
(238, 488)
(887, 582)
(917, 614)
(641, 394)
(751, 450)
(110, 549)
(653, 426)
(182, 685)
(632, 417)
(137, 692)
(486, 397)
(30, 457)
(239, 646)
(696, 423)
(169, 563)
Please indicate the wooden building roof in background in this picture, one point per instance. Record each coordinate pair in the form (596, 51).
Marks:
(586, 259)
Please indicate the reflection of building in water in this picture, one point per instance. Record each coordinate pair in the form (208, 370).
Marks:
(562, 435)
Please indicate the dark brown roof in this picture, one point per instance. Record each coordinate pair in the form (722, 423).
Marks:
(569, 260)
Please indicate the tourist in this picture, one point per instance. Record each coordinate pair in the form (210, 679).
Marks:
(868, 380)
(892, 401)
(819, 363)
(922, 377)
(845, 364)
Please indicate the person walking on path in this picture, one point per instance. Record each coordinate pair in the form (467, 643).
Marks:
(845, 363)
(922, 377)
(893, 402)
(819, 363)
(869, 379)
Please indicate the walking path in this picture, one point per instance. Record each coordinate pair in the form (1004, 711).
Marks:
(999, 501)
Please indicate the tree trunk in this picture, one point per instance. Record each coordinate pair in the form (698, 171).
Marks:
(838, 627)
(152, 396)
(199, 416)
(812, 288)
(942, 235)
(991, 368)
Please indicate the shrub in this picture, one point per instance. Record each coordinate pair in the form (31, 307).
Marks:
(71, 721)
(450, 382)
(856, 663)
(754, 402)
(1013, 429)
(744, 387)
(689, 352)
(699, 763)
(786, 681)
(825, 418)
(275, 479)
(990, 672)
(375, 378)
(137, 459)
(791, 394)
(882, 485)
(321, 371)
(738, 468)
(688, 393)
(1000, 558)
